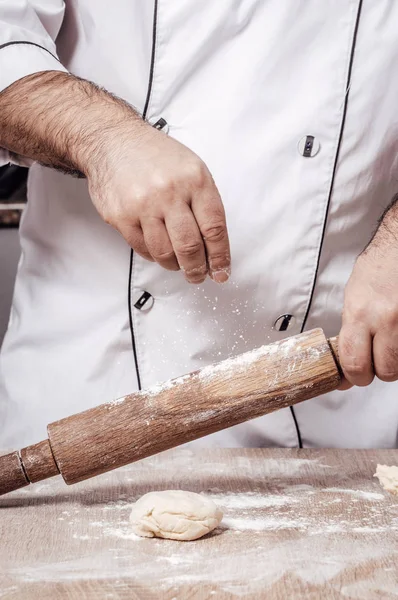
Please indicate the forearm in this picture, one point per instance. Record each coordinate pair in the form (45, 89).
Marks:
(154, 190)
(386, 233)
(62, 121)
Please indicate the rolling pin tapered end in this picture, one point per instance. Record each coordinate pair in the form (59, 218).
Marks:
(12, 474)
(31, 464)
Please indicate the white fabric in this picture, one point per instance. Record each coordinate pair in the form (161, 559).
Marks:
(27, 33)
(240, 82)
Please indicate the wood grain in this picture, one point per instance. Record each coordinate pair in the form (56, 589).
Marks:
(334, 346)
(12, 473)
(38, 462)
(302, 524)
(187, 408)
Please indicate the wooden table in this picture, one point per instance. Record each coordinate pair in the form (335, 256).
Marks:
(297, 524)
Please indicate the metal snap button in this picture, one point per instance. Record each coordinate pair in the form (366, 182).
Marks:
(162, 125)
(284, 323)
(143, 300)
(308, 146)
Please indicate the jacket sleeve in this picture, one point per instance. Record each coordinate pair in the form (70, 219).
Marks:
(28, 29)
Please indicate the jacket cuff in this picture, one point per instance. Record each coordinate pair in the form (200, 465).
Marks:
(18, 60)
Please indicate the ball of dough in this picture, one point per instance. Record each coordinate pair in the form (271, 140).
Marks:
(388, 477)
(174, 514)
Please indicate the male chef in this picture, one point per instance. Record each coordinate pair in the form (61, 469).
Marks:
(206, 177)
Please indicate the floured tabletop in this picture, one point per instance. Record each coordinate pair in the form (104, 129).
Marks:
(297, 524)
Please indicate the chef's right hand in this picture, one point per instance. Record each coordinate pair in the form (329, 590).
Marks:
(162, 198)
(156, 192)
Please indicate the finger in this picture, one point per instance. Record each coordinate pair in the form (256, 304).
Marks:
(158, 243)
(344, 385)
(135, 239)
(210, 217)
(355, 352)
(385, 356)
(187, 243)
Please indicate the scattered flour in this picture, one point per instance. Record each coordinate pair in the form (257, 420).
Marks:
(251, 500)
(289, 519)
(358, 493)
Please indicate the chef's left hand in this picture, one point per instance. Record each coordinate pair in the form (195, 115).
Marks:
(368, 341)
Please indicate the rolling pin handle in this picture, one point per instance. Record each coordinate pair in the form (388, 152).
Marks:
(12, 473)
(38, 462)
(31, 464)
(334, 347)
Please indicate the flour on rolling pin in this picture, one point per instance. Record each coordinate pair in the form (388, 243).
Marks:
(179, 411)
(235, 365)
(388, 477)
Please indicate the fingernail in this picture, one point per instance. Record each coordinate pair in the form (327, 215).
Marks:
(221, 276)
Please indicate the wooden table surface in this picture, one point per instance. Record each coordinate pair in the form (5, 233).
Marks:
(297, 524)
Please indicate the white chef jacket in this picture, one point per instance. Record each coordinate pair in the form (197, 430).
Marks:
(293, 107)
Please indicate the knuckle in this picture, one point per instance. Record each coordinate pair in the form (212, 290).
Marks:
(387, 367)
(136, 244)
(351, 343)
(355, 313)
(220, 259)
(354, 370)
(162, 184)
(391, 355)
(390, 315)
(189, 249)
(214, 232)
(196, 171)
(140, 196)
(163, 255)
(347, 345)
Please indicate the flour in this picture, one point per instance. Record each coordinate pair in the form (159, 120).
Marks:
(358, 493)
(251, 500)
(116, 505)
(265, 523)
(296, 516)
(124, 533)
(152, 391)
(287, 348)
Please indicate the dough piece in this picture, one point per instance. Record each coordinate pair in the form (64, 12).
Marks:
(175, 515)
(388, 477)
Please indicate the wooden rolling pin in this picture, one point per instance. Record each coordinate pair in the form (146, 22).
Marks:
(144, 423)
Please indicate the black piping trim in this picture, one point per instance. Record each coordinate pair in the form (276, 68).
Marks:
(28, 44)
(298, 432)
(146, 106)
(152, 67)
(130, 302)
(343, 120)
(335, 162)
